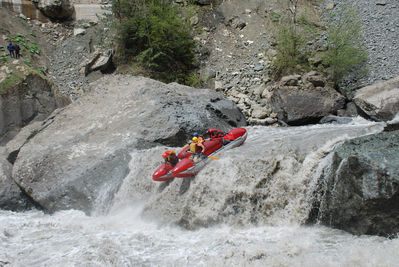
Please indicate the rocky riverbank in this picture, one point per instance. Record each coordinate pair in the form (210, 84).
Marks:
(380, 27)
(236, 48)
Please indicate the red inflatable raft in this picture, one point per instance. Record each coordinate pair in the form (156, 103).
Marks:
(186, 166)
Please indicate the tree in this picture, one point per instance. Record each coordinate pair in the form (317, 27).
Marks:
(152, 33)
(291, 52)
(293, 10)
(345, 51)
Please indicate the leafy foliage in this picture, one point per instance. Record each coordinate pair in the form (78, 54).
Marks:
(345, 51)
(152, 33)
(4, 58)
(291, 53)
(292, 35)
(275, 17)
(26, 43)
(10, 82)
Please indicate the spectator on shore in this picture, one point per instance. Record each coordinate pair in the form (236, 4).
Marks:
(11, 49)
(17, 49)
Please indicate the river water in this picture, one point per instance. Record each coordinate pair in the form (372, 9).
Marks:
(246, 209)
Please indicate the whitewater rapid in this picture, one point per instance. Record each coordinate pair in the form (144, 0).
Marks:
(70, 238)
(246, 209)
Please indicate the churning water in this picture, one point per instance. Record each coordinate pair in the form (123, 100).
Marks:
(246, 209)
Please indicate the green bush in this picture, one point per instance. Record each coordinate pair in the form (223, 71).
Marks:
(4, 58)
(10, 82)
(152, 33)
(345, 52)
(291, 53)
(192, 79)
(275, 17)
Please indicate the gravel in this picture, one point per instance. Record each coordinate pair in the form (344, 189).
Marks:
(237, 56)
(380, 26)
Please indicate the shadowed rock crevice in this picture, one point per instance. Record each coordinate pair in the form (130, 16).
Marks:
(12, 157)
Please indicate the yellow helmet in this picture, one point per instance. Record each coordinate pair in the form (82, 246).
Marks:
(195, 139)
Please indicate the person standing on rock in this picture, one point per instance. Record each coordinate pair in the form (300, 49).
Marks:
(11, 48)
(17, 49)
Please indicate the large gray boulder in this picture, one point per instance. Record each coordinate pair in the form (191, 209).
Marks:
(80, 156)
(303, 100)
(361, 187)
(55, 9)
(379, 101)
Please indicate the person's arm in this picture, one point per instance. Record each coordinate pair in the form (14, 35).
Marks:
(184, 148)
(202, 146)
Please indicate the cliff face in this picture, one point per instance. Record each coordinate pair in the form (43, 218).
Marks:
(26, 94)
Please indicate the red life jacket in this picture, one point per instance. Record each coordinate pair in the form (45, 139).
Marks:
(170, 156)
(215, 133)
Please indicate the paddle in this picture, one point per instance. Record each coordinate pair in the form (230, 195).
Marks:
(213, 157)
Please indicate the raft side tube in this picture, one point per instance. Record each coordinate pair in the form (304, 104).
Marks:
(212, 145)
(184, 154)
(234, 134)
(181, 167)
(163, 172)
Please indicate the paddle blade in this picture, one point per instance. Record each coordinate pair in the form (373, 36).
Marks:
(213, 157)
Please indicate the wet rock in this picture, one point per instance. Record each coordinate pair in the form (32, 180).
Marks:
(336, 119)
(379, 101)
(350, 110)
(266, 121)
(80, 159)
(361, 195)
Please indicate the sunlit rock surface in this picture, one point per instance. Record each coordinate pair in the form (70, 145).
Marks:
(80, 156)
